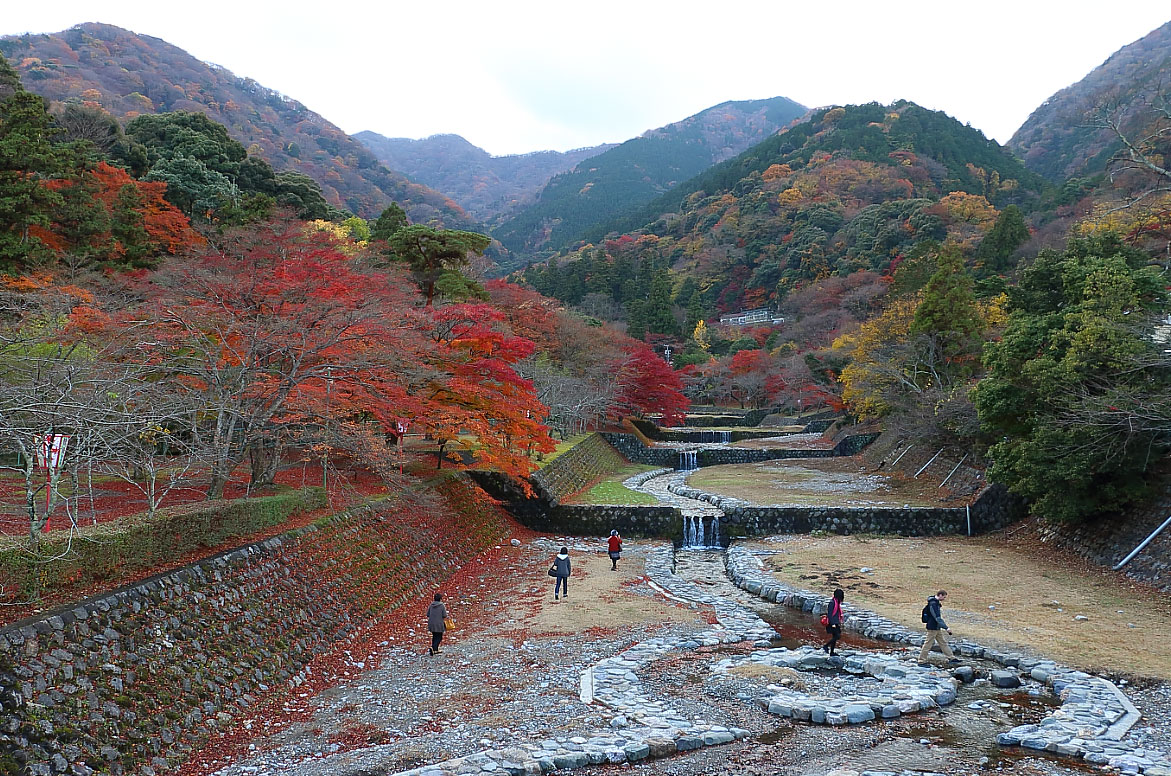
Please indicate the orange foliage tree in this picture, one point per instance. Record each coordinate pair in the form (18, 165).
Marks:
(275, 333)
(108, 217)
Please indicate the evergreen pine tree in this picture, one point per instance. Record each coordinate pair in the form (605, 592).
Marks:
(994, 254)
(949, 320)
(27, 156)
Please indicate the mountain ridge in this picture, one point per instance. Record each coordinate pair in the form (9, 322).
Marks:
(128, 74)
(485, 185)
(1063, 138)
(636, 171)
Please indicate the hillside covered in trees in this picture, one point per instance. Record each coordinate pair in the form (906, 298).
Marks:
(485, 186)
(128, 75)
(181, 333)
(609, 184)
(1069, 135)
(853, 188)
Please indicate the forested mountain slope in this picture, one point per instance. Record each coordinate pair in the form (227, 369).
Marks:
(635, 172)
(129, 74)
(853, 188)
(1066, 138)
(485, 186)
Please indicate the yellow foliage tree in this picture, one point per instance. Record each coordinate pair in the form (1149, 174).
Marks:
(969, 208)
(702, 336)
(874, 369)
(776, 171)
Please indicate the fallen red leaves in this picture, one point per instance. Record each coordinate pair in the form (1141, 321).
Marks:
(285, 705)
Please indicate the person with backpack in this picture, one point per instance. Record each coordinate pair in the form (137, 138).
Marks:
(614, 545)
(833, 621)
(933, 618)
(561, 569)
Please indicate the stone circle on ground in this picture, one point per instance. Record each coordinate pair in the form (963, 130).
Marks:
(903, 687)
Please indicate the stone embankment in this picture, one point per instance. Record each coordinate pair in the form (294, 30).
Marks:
(1091, 722)
(993, 509)
(636, 451)
(131, 681)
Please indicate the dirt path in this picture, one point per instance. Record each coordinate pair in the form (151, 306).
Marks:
(997, 593)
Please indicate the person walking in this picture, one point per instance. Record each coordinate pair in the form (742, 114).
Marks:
(615, 549)
(833, 621)
(936, 627)
(436, 623)
(561, 569)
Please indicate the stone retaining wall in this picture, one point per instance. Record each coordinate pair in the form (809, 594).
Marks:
(699, 435)
(576, 468)
(1108, 540)
(995, 509)
(129, 682)
(637, 452)
(598, 520)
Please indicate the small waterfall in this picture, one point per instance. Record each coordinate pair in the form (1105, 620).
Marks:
(696, 535)
(725, 436)
(687, 460)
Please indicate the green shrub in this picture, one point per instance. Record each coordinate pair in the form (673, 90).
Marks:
(109, 553)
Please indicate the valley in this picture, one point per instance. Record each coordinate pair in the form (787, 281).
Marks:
(282, 407)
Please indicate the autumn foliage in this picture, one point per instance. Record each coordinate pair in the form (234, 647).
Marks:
(126, 221)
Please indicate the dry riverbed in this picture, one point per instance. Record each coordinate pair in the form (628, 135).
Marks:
(999, 591)
(829, 482)
(509, 673)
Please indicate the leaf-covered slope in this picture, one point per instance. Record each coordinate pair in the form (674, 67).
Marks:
(635, 172)
(1063, 138)
(485, 186)
(130, 74)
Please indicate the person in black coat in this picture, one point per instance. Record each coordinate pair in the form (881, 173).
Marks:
(936, 627)
(562, 568)
(436, 622)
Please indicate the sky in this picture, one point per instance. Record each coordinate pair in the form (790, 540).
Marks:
(514, 77)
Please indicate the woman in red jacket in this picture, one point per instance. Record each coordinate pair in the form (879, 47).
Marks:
(615, 546)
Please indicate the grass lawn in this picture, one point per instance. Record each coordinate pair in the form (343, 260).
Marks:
(610, 489)
(831, 482)
(998, 593)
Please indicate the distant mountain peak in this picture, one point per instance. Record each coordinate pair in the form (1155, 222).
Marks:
(635, 172)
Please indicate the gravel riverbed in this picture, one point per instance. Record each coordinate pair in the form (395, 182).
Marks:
(510, 672)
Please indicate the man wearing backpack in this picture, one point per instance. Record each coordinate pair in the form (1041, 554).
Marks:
(933, 618)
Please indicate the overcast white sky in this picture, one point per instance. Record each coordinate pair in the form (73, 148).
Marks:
(513, 77)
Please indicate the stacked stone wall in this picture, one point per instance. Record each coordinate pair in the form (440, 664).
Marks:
(992, 511)
(653, 456)
(576, 468)
(1108, 540)
(129, 682)
(598, 520)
